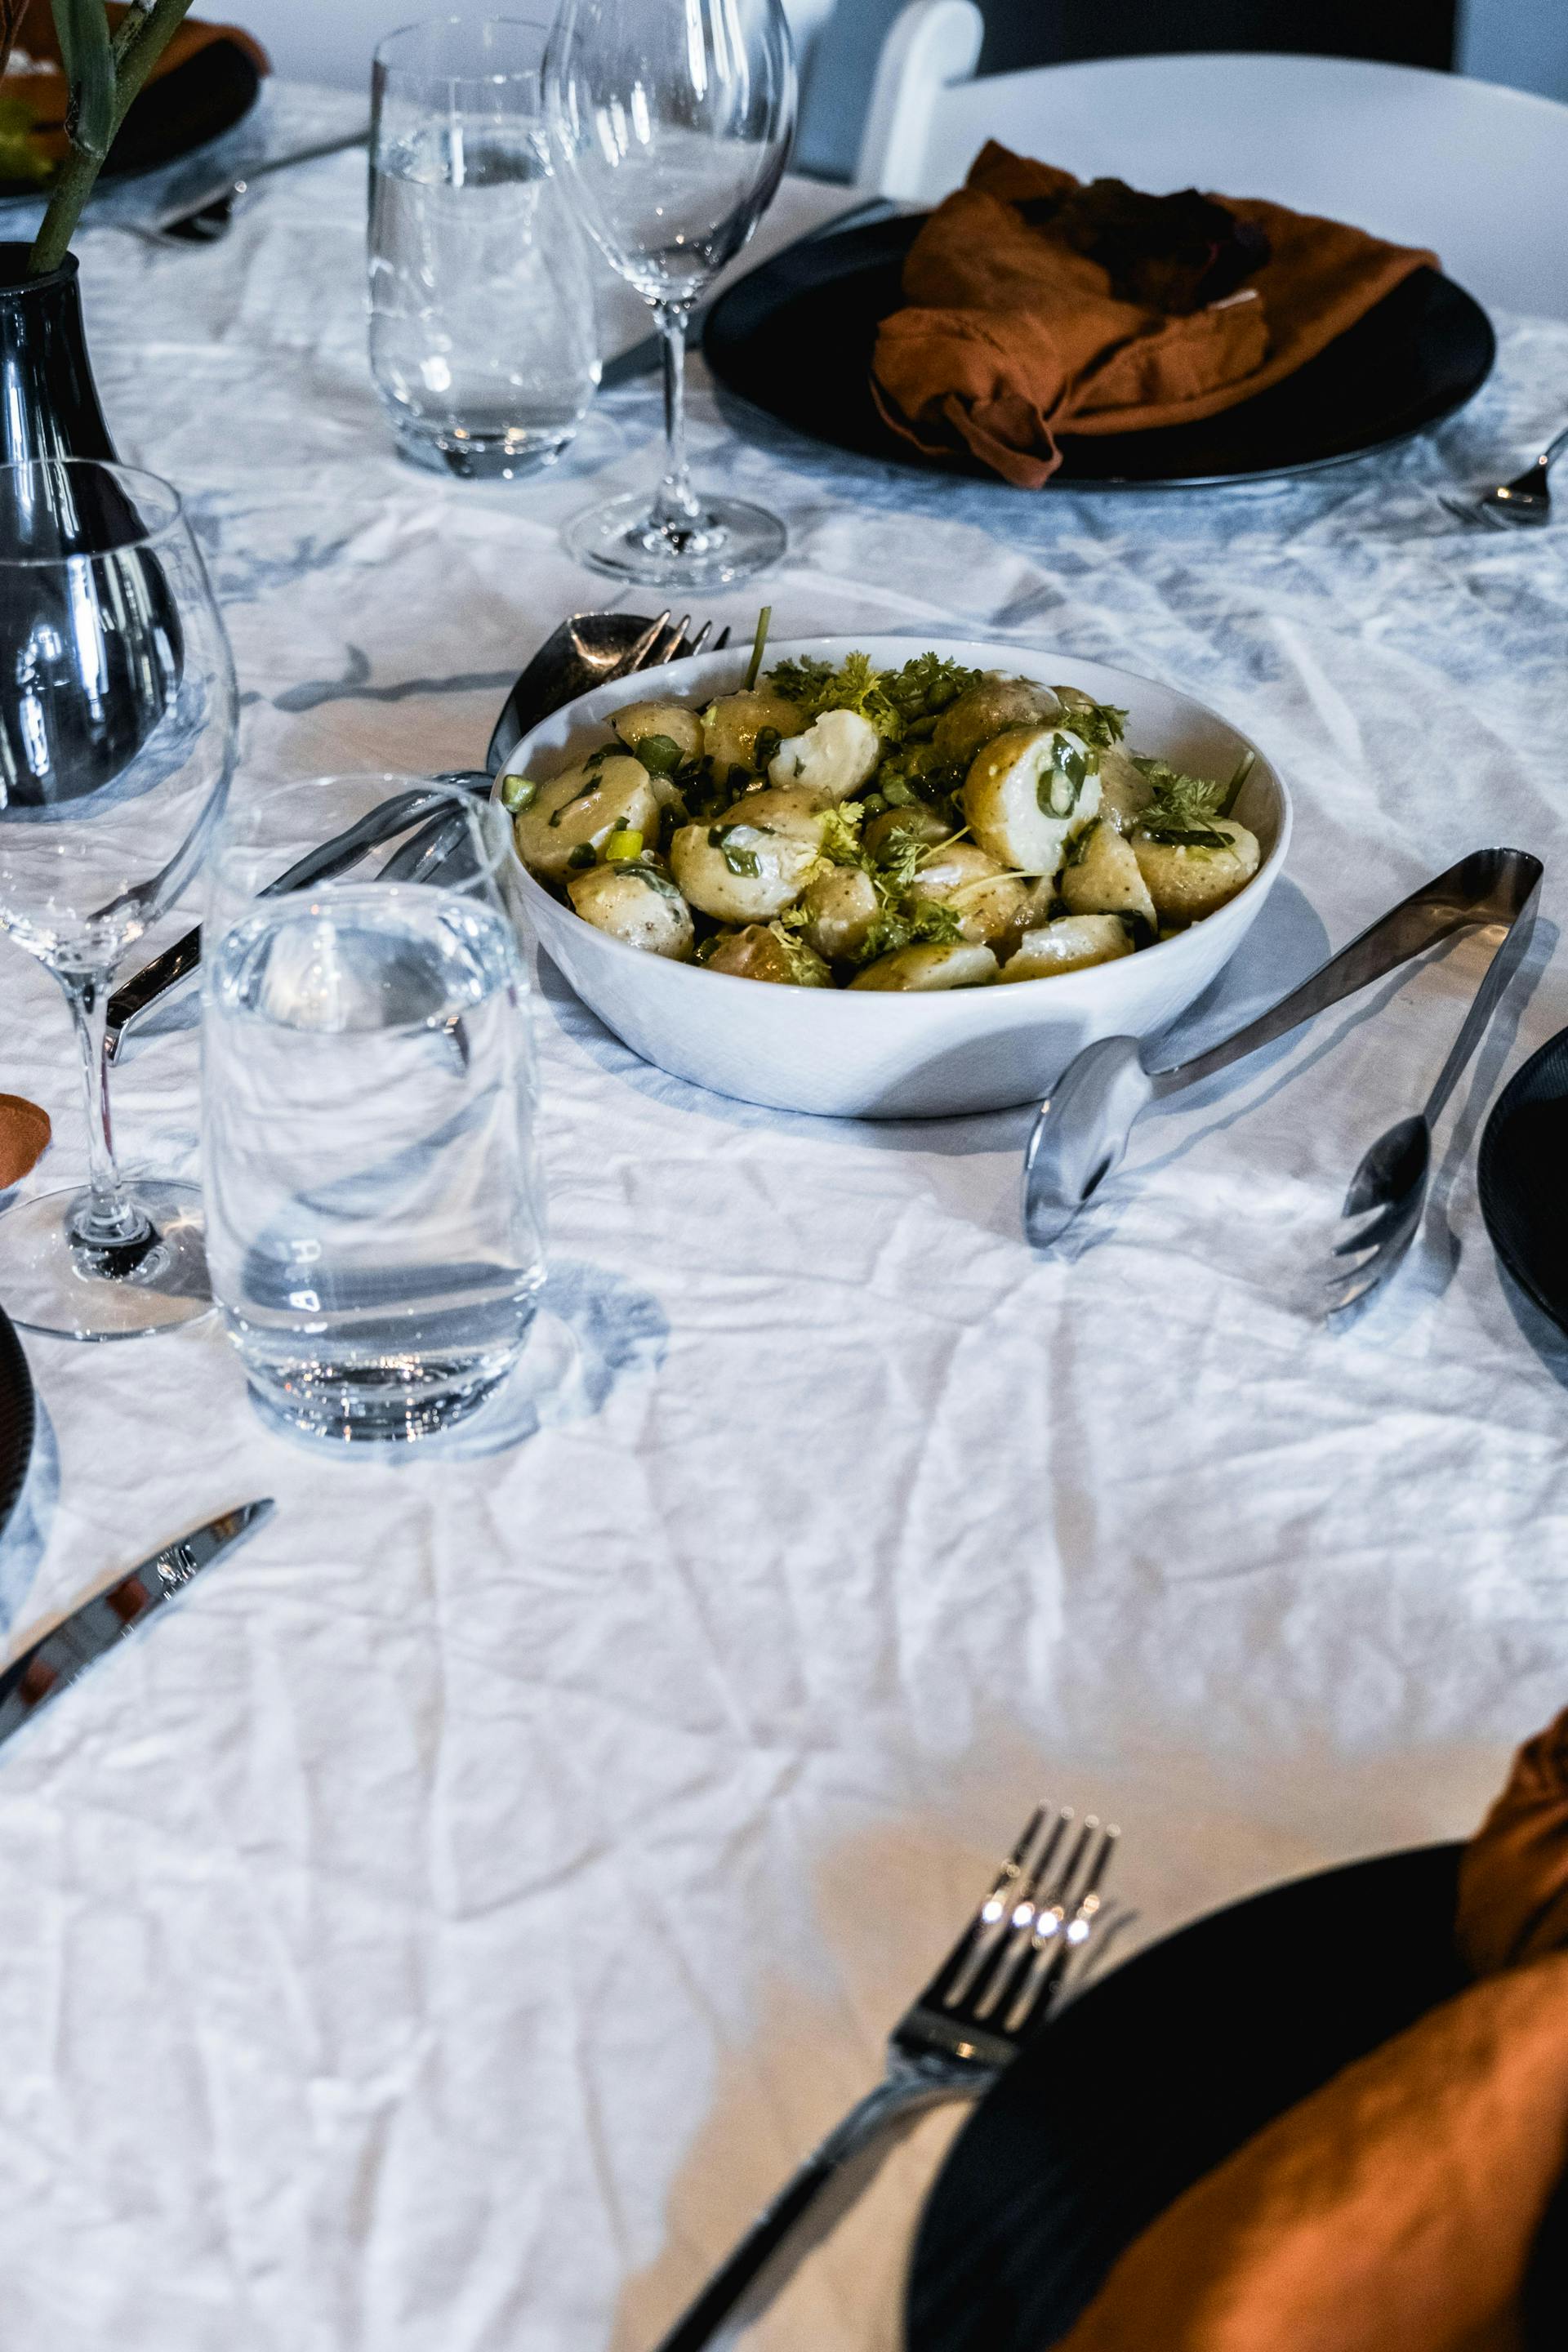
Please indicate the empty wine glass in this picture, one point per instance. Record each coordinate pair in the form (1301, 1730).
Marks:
(671, 120)
(117, 734)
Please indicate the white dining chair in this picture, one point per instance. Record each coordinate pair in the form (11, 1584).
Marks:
(1476, 172)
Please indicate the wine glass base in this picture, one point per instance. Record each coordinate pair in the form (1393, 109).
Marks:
(49, 1283)
(728, 540)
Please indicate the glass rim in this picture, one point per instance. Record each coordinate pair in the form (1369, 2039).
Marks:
(387, 66)
(236, 840)
(138, 483)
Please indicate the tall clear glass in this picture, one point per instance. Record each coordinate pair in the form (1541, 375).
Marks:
(117, 737)
(375, 1217)
(673, 121)
(483, 339)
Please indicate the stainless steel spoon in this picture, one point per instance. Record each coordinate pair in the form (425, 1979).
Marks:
(1523, 503)
(1081, 1131)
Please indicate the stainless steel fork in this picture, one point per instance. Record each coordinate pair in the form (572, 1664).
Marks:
(1026, 1945)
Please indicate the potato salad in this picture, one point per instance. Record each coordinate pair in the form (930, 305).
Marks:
(917, 828)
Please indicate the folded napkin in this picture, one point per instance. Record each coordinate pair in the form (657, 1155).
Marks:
(34, 74)
(24, 1138)
(1016, 334)
(1396, 2210)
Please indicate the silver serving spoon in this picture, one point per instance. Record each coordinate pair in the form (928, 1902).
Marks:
(1081, 1131)
(1388, 1190)
(1525, 502)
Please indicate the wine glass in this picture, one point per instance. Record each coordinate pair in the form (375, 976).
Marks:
(672, 119)
(117, 737)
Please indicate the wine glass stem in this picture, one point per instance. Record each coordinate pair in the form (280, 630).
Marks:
(675, 508)
(104, 1219)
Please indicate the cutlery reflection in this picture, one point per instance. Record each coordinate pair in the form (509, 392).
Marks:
(1388, 1190)
(1526, 500)
(208, 220)
(1026, 1945)
(1081, 1131)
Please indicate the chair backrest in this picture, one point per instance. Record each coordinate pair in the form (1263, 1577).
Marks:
(1478, 172)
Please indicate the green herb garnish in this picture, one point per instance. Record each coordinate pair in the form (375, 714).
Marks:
(758, 642)
(660, 754)
(739, 861)
(583, 854)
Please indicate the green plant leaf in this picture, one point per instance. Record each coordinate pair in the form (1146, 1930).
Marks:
(83, 29)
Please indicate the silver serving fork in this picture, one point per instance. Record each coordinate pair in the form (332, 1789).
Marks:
(1524, 502)
(1388, 1190)
(1027, 1944)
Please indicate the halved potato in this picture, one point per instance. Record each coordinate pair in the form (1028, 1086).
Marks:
(1124, 791)
(841, 905)
(636, 904)
(1028, 793)
(754, 862)
(1106, 878)
(983, 895)
(918, 822)
(640, 720)
(960, 964)
(834, 757)
(732, 725)
(1068, 944)
(580, 809)
(759, 953)
(1186, 880)
(997, 702)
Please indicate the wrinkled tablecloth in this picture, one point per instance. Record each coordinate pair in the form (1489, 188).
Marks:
(441, 1932)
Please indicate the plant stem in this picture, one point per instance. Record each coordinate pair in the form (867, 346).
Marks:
(134, 61)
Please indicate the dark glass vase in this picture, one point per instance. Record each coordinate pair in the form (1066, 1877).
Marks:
(89, 678)
(49, 403)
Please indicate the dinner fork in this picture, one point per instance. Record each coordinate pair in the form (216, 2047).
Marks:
(1525, 501)
(1025, 1948)
(586, 650)
(1388, 1190)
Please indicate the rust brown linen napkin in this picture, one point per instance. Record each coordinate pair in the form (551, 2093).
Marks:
(1015, 336)
(24, 1138)
(47, 93)
(1396, 2210)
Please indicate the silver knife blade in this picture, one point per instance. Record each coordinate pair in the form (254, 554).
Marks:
(52, 1664)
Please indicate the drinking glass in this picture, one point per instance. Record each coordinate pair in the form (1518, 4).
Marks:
(375, 1219)
(671, 120)
(117, 737)
(483, 340)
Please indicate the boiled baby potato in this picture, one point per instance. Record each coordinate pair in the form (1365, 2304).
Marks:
(1027, 793)
(1068, 944)
(834, 757)
(983, 895)
(579, 810)
(916, 821)
(648, 723)
(636, 904)
(753, 861)
(732, 725)
(759, 953)
(1106, 879)
(997, 702)
(1124, 791)
(960, 965)
(1188, 880)
(840, 905)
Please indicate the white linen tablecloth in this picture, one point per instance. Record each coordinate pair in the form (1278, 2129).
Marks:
(441, 1932)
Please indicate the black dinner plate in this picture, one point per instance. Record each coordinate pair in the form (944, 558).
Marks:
(179, 112)
(1161, 2070)
(1518, 1177)
(794, 340)
(19, 1418)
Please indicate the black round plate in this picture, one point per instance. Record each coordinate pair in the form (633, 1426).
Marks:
(794, 340)
(1154, 2076)
(18, 1417)
(179, 112)
(1518, 1177)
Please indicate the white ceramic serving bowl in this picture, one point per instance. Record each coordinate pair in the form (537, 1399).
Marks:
(859, 1054)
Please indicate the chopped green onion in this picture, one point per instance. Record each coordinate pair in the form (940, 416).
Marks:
(583, 854)
(758, 642)
(624, 845)
(516, 792)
